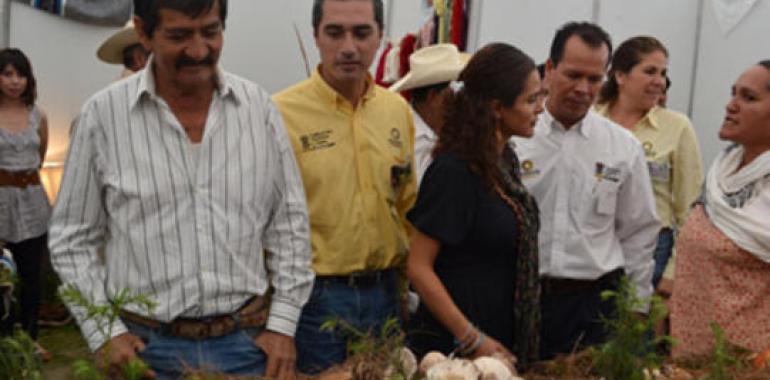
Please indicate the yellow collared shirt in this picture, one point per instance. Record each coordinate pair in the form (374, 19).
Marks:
(674, 161)
(358, 171)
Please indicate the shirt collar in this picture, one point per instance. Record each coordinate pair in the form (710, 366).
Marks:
(582, 127)
(650, 119)
(421, 128)
(146, 86)
(331, 95)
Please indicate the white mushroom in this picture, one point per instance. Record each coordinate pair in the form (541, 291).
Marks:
(458, 369)
(492, 369)
(430, 359)
(408, 363)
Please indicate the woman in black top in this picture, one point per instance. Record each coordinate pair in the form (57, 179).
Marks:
(473, 260)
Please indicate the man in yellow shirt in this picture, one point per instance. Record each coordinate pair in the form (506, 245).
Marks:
(354, 146)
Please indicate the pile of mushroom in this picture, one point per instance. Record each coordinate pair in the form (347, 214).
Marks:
(436, 366)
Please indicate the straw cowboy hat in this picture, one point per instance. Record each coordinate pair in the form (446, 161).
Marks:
(112, 48)
(432, 65)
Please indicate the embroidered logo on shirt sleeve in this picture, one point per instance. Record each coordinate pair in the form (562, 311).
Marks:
(649, 149)
(395, 139)
(528, 168)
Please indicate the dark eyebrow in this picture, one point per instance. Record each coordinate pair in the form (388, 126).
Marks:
(333, 27)
(362, 28)
(215, 24)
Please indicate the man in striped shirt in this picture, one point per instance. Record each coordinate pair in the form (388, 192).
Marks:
(185, 174)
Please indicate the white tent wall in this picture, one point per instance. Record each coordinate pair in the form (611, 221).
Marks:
(721, 59)
(261, 45)
(527, 24)
(672, 22)
(531, 24)
(63, 55)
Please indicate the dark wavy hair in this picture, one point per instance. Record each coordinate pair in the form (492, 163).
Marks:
(496, 72)
(628, 55)
(149, 10)
(20, 62)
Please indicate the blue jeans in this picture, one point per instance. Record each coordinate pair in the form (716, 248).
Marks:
(365, 308)
(662, 254)
(172, 357)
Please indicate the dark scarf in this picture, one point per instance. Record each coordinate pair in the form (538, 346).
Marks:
(527, 295)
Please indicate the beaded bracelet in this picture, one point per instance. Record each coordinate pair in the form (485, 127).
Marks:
(479, 340)
(459, 342)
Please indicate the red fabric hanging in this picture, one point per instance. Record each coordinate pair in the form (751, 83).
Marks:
(380, 73)
(457, 31)
(407, 48)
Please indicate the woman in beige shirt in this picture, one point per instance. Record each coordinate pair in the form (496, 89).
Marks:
(635, 83)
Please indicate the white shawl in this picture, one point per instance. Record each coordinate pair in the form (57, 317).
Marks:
(738, 202)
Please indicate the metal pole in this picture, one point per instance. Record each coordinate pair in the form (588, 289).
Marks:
(595, 11)
(474, 26)
(5, 23)
(696, 53)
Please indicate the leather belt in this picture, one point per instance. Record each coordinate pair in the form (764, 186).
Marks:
(553, 285)
(20, 179)
(252, 314)
(365, 279)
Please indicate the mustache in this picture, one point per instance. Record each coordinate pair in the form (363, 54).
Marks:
(184, 61)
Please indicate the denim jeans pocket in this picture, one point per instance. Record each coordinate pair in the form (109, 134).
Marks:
(250, 334)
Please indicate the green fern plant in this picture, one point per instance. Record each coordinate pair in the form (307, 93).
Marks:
(371, 353)
(18, 358)
(105, 316)
(724, 357)
(630, 347)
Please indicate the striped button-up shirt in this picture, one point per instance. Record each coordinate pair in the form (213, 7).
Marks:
(186, 229)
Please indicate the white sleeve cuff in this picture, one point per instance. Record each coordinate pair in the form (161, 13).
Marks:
(284, 317)
(95, 338)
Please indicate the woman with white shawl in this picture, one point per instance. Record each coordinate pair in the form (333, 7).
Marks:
(723, 262)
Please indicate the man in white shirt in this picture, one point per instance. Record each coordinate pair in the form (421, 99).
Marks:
(185, 174)
(597, 210)
(431, 69)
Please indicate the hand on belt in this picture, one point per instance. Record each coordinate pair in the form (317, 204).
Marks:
(253, 314)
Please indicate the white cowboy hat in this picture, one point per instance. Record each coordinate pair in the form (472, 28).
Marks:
(112, 48)
(432, 65)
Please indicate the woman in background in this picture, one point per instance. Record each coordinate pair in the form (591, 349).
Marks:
(635, 83)
(24, 208)
(723, 252)
(473, 260)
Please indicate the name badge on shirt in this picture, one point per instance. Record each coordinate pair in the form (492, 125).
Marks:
(604, 172)
(400, 175)
(316, 140)
(659, 171)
